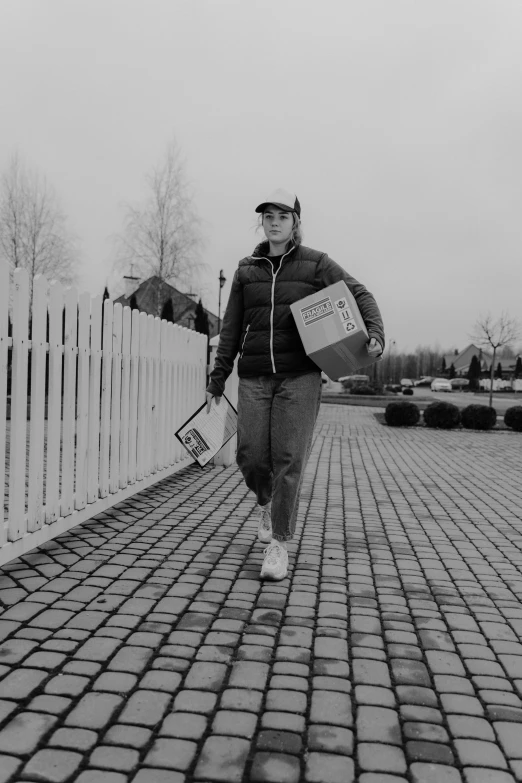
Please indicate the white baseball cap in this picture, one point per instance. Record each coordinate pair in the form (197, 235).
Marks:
(283, 199)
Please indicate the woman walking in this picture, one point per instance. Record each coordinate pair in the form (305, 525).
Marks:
(279, 386)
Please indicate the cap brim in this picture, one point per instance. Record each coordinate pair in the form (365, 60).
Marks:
(284, 207)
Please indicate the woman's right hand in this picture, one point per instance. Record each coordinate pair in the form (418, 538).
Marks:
(210, 397)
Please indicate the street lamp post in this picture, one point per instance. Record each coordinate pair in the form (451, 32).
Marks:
(222, 280)
(392, 343)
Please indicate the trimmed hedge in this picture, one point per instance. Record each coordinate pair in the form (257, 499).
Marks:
(478, 417)
(513, 418)
(443, 415)
(402, 414)
(367, 391)
(407, 391)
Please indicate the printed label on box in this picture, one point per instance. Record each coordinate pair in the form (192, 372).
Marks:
(341, 304)
(317, 311)
(346, 315)
(349, 326)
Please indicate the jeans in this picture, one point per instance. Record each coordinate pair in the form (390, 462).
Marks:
(276, 421)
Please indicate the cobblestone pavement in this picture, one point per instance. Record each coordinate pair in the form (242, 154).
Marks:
(142, 648)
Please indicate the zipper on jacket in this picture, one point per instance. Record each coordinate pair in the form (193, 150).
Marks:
(274, 275)
(244, 341)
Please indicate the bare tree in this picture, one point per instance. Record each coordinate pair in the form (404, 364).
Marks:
(162, 236)
(33, 234)
(495, 335)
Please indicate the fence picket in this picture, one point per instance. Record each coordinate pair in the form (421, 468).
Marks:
(94, 400)
(142, 399)
(82, 414)
(133, 394)
(35, 513)
(70, 355)
(155, 410)
(4, 356)
(18, 444)
(149, 395)
(125, 383)
(116, 398)
(105, 414)
(54, 404)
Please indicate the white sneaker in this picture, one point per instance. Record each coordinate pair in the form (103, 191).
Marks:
(275, 565)
(264, 531)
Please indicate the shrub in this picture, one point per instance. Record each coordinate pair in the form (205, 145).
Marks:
(444, 415)
(478, 417)
(401, 414)
(407, 390)
(513, 418)
(366, 390)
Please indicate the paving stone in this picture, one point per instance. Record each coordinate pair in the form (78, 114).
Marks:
(8, 766)
(283, 721)
(24, 732)
(132, 736)
(510, 736)
(20, 683)
(431, 752)
(94, 711)
(206, 676)
(171, 754)
(275, 768)
(157, 776)
(473, 752)
(328, 768)
(53, 765)
(80, 740)
(114, 758)
(434, 773)
(289, 701)
(145, 708)
(375, 757)
(15, 650)
(185, 725)
(467, 726)
(223, 759)
(97, 649)
(195, 701)
(378, 724)
(130, 659)
(54, 705)
(331, 739)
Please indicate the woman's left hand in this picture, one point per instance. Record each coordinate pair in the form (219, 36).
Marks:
(374, 347)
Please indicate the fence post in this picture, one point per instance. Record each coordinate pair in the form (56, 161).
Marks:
(54, 403)
(4, 355)
(36, 438)
(18, 406)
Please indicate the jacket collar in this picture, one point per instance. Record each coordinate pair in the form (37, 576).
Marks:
(263, 250)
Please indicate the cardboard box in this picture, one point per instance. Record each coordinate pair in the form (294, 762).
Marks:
(333, 331)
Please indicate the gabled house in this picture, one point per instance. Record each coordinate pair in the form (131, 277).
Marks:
(461, 360)
(151, 296)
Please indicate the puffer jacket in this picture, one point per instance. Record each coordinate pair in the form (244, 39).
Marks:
(258, 323)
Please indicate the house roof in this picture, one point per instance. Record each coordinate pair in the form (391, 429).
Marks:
(147, 292)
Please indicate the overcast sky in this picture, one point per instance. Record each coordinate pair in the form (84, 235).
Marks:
(397, 122)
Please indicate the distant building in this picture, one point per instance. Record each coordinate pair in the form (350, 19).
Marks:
(154, 293)
(461, 361)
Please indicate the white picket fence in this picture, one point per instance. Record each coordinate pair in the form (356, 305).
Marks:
(105, 429)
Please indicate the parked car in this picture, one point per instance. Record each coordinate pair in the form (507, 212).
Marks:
(440, 384)
(424, 381)
(459, 383)
(406, 383)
